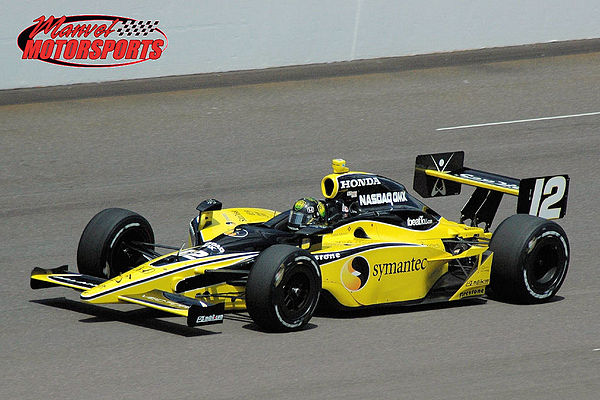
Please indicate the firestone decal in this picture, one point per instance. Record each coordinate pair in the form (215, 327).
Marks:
(490, 181)
(327, 256)
(472, 292)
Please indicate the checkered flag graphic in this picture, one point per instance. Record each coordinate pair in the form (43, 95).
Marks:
(137, 28)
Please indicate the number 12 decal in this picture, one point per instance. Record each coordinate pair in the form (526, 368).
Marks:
(545, 197)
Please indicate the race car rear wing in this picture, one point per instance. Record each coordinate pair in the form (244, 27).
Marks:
(443, 174)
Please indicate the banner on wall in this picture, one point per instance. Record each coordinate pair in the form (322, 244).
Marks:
(92, 41)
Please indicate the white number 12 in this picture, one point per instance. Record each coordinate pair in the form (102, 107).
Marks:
(544, 210)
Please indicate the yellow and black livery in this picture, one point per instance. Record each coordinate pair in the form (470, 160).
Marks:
(376, 244)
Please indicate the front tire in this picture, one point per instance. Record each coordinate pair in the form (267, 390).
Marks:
(103, 250)
(283, 288)
(531, 258)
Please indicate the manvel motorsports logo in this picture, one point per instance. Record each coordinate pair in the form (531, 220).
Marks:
(92, 41)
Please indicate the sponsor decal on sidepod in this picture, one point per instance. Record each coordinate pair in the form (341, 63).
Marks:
(393, 268)
(418, 221)
(359, 182)
(382, 198)
(355, 273)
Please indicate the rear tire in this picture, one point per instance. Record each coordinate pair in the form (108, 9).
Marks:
(102, 249)
(283, 288)
(531, 258)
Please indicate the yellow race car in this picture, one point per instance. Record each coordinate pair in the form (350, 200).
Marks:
(368, 242)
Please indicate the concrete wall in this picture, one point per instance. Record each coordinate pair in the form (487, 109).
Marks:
(227, 35)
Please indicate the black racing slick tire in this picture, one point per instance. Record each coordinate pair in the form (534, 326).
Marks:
(283, 288)
(531, 258)
(103, 248)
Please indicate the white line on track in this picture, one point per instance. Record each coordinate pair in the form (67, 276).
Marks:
(518, 121)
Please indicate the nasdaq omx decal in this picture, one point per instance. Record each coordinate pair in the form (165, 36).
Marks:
(92, 40)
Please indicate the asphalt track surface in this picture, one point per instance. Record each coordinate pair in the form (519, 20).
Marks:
(266, 145)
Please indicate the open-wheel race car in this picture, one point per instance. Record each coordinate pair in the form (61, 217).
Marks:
(368, 242)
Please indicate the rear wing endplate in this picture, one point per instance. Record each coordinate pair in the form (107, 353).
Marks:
(443, 174)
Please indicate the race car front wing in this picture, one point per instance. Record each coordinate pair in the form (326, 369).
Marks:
(197, 312)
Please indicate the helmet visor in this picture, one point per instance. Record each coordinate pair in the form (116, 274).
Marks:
(299, 219)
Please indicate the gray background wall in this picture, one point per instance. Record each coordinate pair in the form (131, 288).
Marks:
(225, 35)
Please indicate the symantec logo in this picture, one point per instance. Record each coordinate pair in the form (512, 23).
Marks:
(92, 41)
(355, 274)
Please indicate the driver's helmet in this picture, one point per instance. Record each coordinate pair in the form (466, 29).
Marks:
(307, 211)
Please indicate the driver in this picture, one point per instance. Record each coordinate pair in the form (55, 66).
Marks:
(307, 211)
